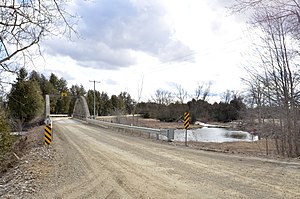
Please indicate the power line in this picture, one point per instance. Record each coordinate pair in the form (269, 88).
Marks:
(207, 51)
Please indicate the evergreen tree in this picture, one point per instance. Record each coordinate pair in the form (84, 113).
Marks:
(54, 80)
(46, 87)
(25, 100)
(59, 104)
(105, 104)
(117, 104)
(127, 102)
(6, 139)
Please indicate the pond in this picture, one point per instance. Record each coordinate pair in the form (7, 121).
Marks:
(206, 134)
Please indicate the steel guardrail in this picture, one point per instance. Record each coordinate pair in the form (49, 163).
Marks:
(162, 132)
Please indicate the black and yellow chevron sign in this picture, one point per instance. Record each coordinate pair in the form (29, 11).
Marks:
(64, 94)
(48, 135)
(186, 120)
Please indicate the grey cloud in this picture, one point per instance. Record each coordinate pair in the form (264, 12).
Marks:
(111, 29)
(111, 82)
(174, 51)
(123, 24)
(89, 53)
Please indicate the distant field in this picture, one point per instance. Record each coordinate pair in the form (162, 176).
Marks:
(139, 121)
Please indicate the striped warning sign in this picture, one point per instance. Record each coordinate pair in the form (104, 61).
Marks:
(48, 135)
(186, 120)
(64, 94)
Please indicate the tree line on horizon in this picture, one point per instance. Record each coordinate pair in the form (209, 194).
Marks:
(26, 101)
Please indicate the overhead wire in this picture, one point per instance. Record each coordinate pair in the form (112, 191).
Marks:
(166, 64)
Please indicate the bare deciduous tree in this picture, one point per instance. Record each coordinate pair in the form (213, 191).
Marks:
(289, 10)
(181, 94)
(202, 91)
(140, 90)
(275, 86)
(227, 96)
(24, 23)
(163, 97)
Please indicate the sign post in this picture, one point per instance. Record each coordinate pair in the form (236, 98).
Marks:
(186, 124)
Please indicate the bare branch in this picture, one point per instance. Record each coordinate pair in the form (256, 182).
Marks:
(181, 94)
(273, 85)
(163, 97)
(24, 23)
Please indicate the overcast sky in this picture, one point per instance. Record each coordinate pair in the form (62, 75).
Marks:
(151, 44)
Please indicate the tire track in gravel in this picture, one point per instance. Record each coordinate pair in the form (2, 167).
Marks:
(123, 172)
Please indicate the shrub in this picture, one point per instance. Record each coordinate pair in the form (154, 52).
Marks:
(236, 135)
(6, 139)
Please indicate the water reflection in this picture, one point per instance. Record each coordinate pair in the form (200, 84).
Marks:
(214, 135)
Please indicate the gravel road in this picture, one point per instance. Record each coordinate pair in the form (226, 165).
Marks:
(92, 162)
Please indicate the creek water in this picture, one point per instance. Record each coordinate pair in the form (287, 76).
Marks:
(206, 134)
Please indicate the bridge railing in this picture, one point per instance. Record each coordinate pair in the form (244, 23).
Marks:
(169, 133)
(59, 115)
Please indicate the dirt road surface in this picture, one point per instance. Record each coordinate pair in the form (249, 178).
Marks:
(94, 162)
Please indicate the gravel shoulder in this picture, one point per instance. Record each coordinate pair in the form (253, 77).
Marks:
(90, 162)
(25, 166)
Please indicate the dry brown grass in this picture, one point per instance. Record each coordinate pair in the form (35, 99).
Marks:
(143, 122)
(257, 148)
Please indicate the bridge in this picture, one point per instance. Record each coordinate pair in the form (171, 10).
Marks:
(81, 111)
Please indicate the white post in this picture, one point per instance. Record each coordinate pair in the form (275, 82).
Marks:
(47, 106)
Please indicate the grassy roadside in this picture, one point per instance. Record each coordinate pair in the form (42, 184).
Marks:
(7, 144)
(6, 140)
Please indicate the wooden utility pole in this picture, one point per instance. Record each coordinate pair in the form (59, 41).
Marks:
(95, 96)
